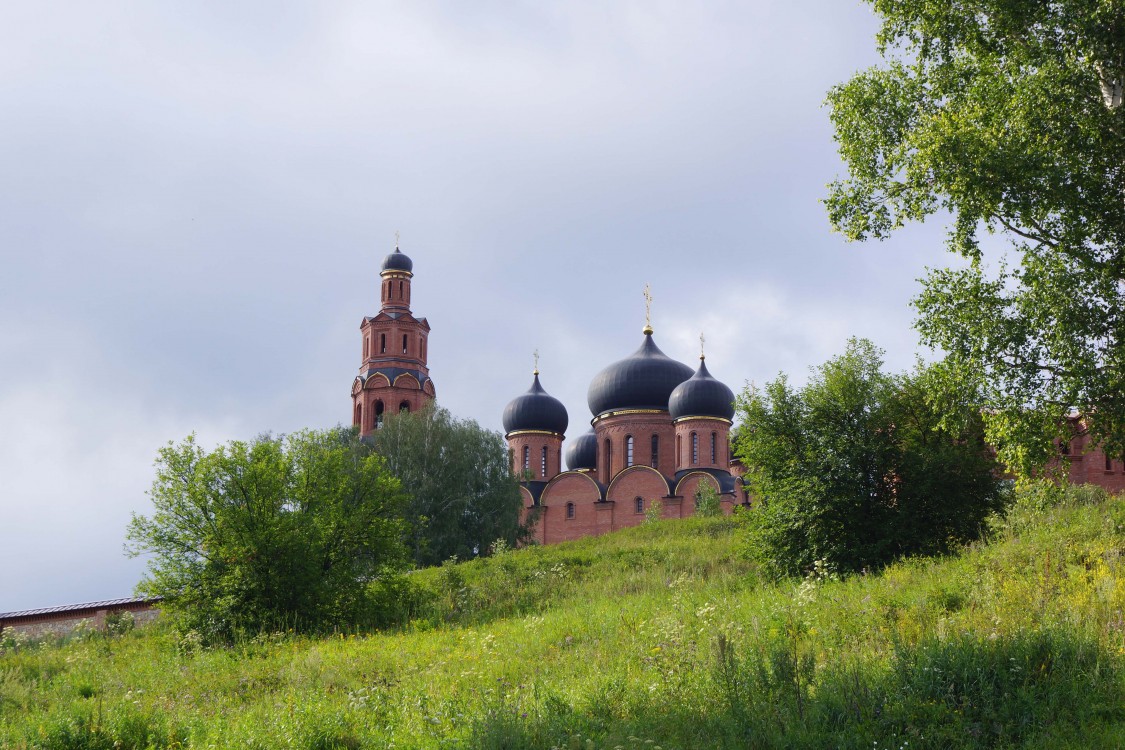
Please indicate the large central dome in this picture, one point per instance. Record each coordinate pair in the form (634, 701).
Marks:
(643, 380)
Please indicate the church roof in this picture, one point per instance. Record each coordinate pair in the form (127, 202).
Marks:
(582, 453)
(701, 396)
(643, 380)
(393, 372)
(535, 410)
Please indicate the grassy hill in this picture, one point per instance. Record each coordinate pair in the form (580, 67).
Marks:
(660, 636)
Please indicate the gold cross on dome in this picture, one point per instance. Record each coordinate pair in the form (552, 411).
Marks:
(648, 305)
(702, 340)
(396, 239)
(536, 355)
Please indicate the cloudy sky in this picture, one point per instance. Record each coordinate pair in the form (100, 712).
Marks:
(195, 199)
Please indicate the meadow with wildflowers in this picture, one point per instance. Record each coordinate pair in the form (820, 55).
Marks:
(661, 636)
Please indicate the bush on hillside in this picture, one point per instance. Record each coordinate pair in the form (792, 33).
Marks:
(860, 467)
(279, 533)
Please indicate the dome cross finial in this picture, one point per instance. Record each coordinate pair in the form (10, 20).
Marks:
(702, 341)
(648, 310)
(535, 354)
(396, 239)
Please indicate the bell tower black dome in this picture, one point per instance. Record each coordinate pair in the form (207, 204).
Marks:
(398, 261)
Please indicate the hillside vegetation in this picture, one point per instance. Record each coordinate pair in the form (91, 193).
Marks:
(659, 636)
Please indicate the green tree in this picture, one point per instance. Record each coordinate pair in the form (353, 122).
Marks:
(708, 503)
(280, 532)
(462, 493)
(860, 467)
(1007, 117)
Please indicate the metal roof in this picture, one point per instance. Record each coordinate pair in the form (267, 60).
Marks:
(78, 607)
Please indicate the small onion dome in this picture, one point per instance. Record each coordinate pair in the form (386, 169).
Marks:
(398, 261)
(701, 396)
(643, 380)
(535, 410)
(583, 452)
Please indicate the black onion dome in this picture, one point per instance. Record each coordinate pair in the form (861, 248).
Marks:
(398, 261)
(582, 453)
(701, 396)
(643, 380)
(535, 410)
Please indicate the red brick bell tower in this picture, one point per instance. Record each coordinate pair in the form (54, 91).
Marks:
(393, 375)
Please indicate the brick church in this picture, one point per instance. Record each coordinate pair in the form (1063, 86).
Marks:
(660, 432)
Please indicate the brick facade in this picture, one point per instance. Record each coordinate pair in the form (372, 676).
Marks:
(1086, 462)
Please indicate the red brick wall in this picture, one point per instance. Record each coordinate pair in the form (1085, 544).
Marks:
(639, 481)
(535, 442)
(1087, 465)
(642, 427)
(570, 487)
(703, 428)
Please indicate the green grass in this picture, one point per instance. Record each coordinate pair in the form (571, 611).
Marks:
(659, 636)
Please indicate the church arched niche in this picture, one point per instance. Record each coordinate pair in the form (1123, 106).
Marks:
(406, 380)
(637, 480)
(377, 380)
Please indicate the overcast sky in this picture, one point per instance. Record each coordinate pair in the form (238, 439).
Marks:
(195, 199)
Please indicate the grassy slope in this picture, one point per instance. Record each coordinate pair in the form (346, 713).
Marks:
(660, 633)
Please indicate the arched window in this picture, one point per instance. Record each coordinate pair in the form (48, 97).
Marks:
(400, 290)
(358, 419)
(404, 406)
(526, 458)
(382, 343)
(405, 339)
(366, 346)
(714, 445)
(694, 449)
(638, 505)
(1108, 463)
(543, 463)
(421, 347)
(378, 415)
(608, 456)
(655, 450)
(628, 450)
(570, 510)
(558, 456)
(679, 448)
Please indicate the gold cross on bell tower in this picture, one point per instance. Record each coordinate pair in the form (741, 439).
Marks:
(396, 239)
(647, 330)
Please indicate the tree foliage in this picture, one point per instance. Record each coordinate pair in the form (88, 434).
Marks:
(280, 532)
(462, 493)
(1007, 116)
(860, 467)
